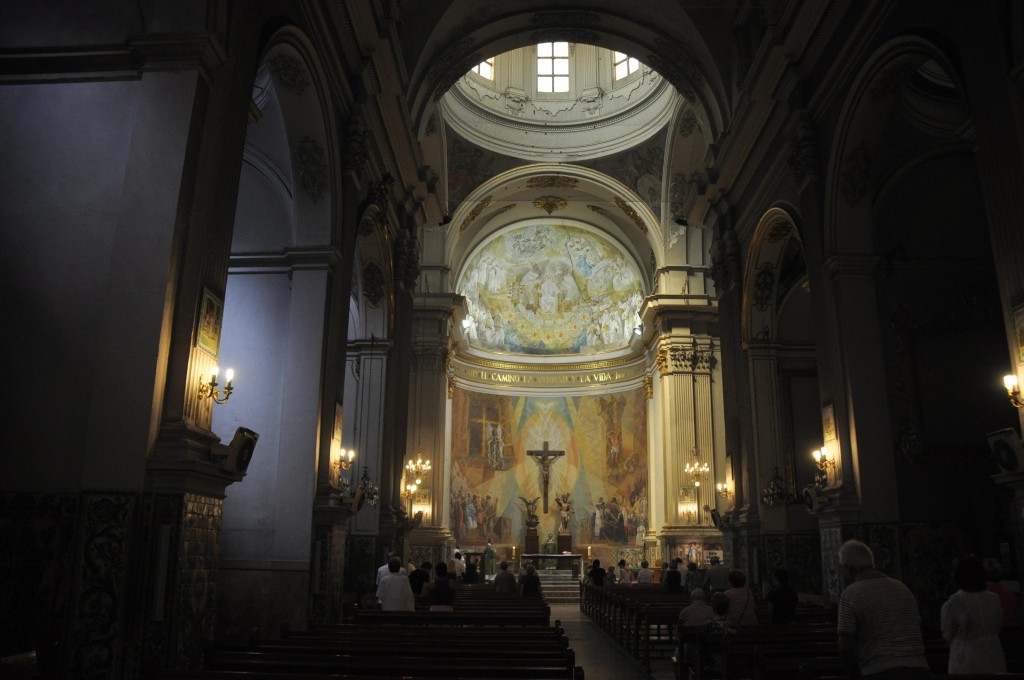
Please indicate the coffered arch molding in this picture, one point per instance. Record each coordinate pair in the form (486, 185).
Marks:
(463, 39)
(594, 198)
(310, 123)
(857, 176)
(761, 278)
(373, 278)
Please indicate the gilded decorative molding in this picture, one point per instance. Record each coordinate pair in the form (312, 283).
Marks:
(631, 213)
(504, 209)
(677, 358)
(550, 204)
(431, 128)
(451, 387)
(494, 365)
(476, 370)
(289, 73)
(764, 286)
(552, 182)
(475, 212)
(648, 387)
(312, 166)
(601, 211)
(373, 284)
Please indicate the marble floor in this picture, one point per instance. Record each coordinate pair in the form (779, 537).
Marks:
(600, 657)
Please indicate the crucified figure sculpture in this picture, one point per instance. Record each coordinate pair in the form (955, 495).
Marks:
(544, 458)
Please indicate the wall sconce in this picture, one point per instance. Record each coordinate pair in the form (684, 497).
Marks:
(1010, 383)
(824, 463)
(723, 489)
(342, 460)
(208, 388)
(346, 458)
(370, 491)
(409, 494)
(418, 469)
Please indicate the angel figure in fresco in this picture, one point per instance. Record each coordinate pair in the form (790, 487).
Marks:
(531, 512)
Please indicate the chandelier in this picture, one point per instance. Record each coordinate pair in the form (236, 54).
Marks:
(775, 493)
(371, 492)
(418, 469)
(697, 469)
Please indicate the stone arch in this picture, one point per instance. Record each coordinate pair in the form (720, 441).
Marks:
(598, 200)
(862, 163)
(460, 42)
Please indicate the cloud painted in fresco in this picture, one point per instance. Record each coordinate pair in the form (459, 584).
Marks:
(551, 289)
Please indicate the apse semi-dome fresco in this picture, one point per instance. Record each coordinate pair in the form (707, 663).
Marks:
(550, 289)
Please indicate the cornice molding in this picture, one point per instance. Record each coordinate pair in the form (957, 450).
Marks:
(201, 52)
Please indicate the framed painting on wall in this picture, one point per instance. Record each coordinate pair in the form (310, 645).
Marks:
(1018, 327)
(211, 316)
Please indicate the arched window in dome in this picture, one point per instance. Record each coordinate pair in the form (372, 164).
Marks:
(485, 69)
(625, 65)
(553, 67)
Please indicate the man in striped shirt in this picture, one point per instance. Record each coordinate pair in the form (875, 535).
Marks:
(879, 623)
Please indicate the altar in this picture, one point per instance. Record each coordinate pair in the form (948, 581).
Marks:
(562, 560)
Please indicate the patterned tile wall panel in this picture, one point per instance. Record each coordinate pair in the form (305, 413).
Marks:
(803, 560)
(37, 532)
(831, 539)
(199, 564)
(97, 636)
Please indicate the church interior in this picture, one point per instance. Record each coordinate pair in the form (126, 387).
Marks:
(637, 281)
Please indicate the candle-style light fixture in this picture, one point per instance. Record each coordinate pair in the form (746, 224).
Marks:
(208, 388)
(824, 462)
(409, 494)
(371, 492)
(723, 489)
(419, 468)
(1013, 390)
(697, 469)
(343, 460)
(775, 493)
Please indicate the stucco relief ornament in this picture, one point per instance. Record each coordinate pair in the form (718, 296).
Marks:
(550, 204)
(312, 168)
(373, 284)
(288, 73)
(515, 101)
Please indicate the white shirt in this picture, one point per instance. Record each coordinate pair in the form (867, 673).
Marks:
(395, 593)
(382, 571)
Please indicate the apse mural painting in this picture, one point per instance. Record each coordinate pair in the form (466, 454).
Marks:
(551, 289)
(583, 457)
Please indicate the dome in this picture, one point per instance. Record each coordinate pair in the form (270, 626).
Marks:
(559, 102)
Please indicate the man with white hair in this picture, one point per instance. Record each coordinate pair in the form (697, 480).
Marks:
(879, 623)
(695, 615)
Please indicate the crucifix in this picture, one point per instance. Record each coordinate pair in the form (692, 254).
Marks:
(544, 457)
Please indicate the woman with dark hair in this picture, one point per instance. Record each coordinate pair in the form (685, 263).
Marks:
(442, 594)
(742, 608)
(971, 618)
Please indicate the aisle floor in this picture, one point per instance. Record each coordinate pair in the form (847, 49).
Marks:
(599, 655)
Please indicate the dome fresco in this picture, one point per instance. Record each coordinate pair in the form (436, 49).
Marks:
(547, 289)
